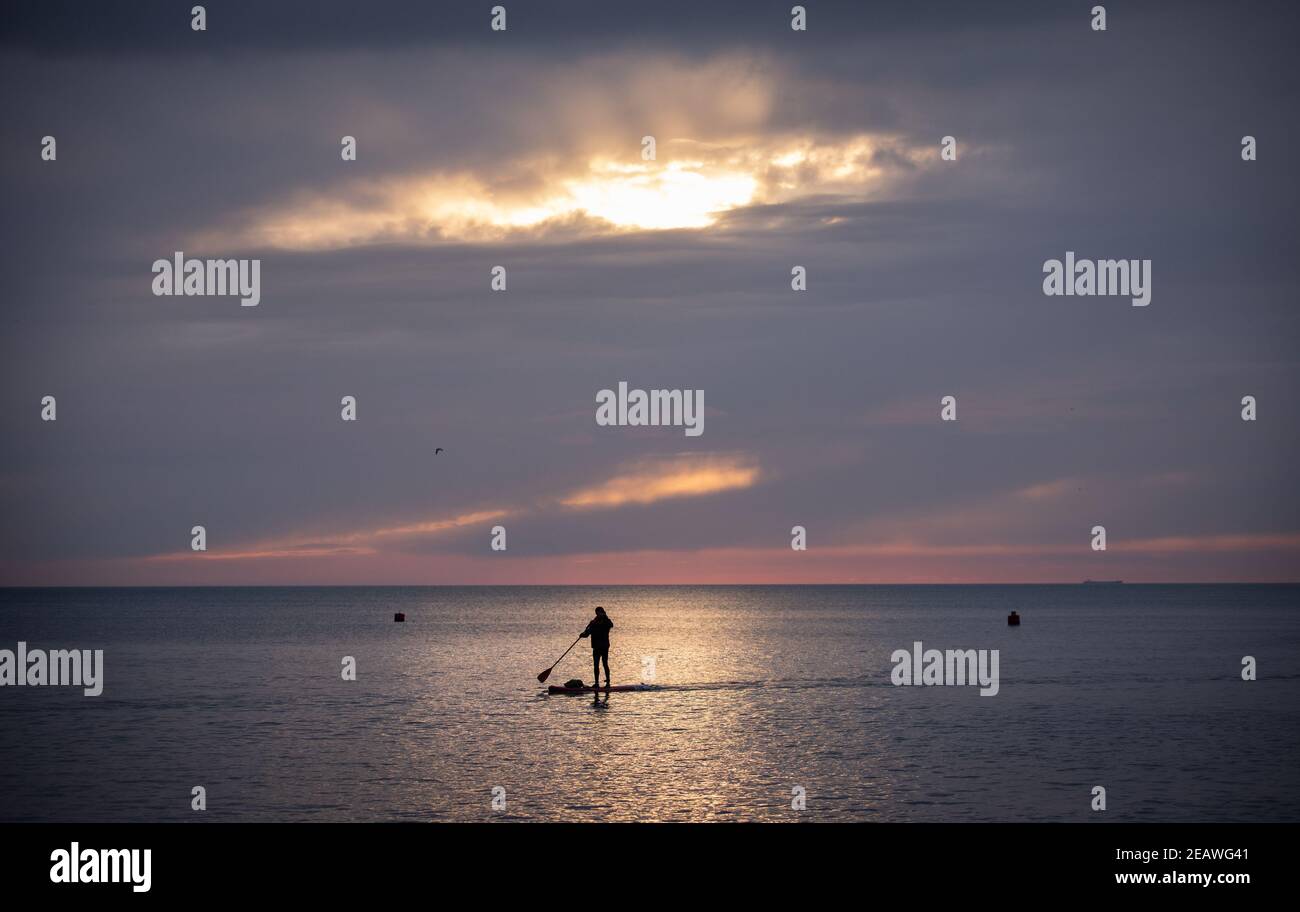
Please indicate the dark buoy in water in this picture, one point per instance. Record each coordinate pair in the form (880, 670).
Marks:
(1013, 620)
(399, 617)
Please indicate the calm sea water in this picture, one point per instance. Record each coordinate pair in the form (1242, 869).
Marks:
(762, 689)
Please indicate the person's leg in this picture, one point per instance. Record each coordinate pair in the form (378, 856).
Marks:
(604, 657)
(595, 667)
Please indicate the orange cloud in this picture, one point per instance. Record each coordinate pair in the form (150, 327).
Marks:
(348, 543)
(1214, 544)
(1203, 559)
(651, 481)
(641, 483)
(430, 527)
(1048, 490)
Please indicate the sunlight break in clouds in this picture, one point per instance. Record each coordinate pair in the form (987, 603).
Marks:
(690, 185)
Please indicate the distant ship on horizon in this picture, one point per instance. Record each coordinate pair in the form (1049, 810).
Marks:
(1102, 583)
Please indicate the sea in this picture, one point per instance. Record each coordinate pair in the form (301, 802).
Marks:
(764, 703)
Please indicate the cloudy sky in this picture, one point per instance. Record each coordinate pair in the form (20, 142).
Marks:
(774, 148)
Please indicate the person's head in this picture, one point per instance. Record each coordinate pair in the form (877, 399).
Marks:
(600, 611)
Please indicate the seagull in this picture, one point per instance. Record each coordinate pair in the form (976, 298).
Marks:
(437, 450)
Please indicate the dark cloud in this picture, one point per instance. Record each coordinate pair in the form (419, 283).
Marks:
(162, 26)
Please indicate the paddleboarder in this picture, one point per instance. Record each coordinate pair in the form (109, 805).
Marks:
(598, 630)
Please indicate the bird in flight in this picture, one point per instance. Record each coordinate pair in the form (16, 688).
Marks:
(437, 450)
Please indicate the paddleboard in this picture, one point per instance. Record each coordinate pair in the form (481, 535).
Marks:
(586, 690)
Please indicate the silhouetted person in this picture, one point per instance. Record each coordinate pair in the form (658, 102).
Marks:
(598, 630)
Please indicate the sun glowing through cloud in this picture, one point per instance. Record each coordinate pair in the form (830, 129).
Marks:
(679, 195)
(691, 186)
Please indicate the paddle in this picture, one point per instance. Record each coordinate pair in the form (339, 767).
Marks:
(547, 673)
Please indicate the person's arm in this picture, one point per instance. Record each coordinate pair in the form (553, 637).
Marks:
(586, 633)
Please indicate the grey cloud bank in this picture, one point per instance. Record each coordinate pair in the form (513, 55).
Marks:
(175, 411)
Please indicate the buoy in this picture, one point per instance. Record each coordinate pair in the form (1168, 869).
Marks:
(399, 617)
(1013, 620)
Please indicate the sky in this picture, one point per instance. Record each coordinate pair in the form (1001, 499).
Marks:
(523, 148)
